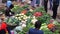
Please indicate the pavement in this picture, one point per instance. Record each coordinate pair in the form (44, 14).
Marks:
(58, 13)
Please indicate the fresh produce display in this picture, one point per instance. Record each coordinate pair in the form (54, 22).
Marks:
(12, 20)
(17, 9)
(27, 18)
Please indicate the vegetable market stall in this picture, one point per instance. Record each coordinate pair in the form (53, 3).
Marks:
(26, 17)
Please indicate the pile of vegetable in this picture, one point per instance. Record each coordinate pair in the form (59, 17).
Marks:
(27, 18)
(17, 9)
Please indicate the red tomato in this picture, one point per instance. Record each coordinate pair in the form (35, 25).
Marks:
(37, 14)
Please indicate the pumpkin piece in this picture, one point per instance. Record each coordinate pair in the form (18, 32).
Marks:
(50, 26)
